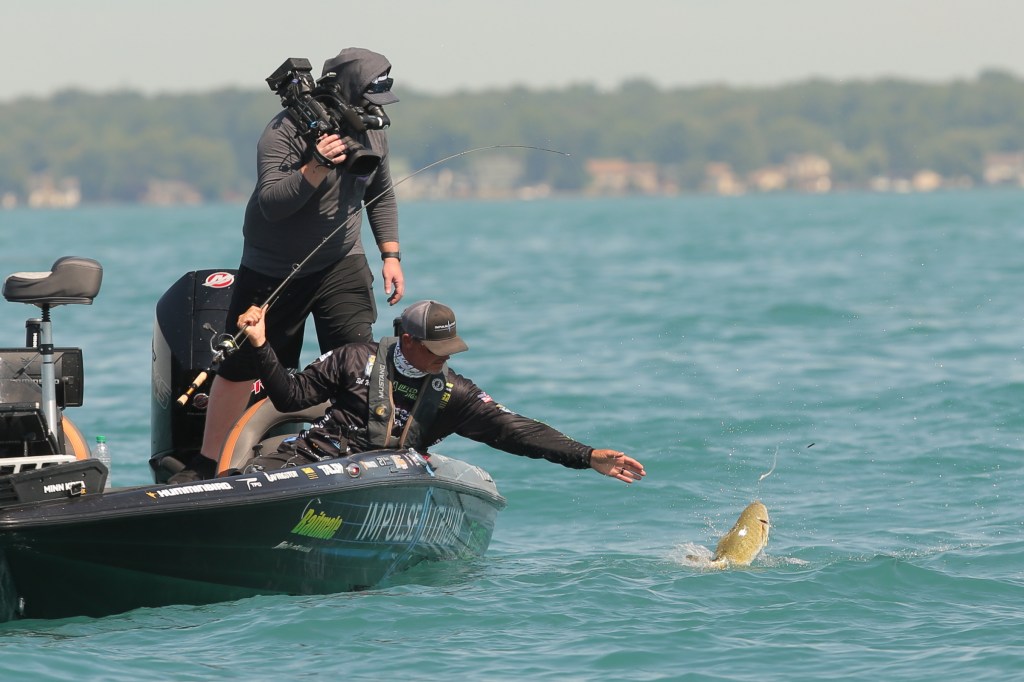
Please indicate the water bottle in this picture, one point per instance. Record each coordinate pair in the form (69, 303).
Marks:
(101, 452)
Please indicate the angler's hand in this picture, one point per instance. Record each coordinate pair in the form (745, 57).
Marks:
(617, 465)
(253, 321)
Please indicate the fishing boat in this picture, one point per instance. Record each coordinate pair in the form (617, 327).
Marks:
(70, 545)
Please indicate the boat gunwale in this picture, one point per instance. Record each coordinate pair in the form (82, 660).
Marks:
(70, 512)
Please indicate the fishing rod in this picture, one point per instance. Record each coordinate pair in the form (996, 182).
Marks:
(228, 344)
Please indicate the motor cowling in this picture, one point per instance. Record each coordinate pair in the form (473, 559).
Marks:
(190, 318)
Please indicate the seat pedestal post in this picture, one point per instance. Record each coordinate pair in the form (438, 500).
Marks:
(47, 375)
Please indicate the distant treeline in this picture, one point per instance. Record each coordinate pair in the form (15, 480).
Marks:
(116, 143)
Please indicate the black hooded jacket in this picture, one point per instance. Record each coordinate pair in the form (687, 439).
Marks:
(354, 69)
(287, 217)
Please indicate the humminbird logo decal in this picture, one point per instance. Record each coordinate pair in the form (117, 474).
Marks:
(189, 489)
(399, 522)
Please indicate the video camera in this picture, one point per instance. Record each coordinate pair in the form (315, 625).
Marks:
(320, 108)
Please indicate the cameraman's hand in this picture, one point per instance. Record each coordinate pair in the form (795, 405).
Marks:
(394, 280)
(329, 148)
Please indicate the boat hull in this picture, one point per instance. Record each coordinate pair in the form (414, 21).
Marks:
(334, 526)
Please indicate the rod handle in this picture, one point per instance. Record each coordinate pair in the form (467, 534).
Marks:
(192, 388)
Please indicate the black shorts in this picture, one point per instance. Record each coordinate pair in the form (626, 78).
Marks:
(340, 298)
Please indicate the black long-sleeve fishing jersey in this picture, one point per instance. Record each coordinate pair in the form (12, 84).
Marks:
(343, 376)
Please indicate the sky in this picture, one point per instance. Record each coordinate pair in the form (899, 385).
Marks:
(444, 46)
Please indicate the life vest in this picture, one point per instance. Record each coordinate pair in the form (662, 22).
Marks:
(381, 403)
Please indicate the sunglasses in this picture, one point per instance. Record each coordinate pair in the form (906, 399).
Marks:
(380, 85)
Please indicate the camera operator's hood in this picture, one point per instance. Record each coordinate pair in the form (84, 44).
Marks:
(355, 69)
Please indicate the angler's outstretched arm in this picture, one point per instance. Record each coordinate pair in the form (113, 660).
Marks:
(473, 414)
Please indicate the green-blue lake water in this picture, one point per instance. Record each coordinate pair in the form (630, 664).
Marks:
(869, 347)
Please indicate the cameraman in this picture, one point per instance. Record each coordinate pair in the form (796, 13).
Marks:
(304, 193)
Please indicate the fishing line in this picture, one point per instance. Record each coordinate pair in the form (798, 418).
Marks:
(774, 462)
(348, 222)
(228, 344)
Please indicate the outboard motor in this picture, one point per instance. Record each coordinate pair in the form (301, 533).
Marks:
(190, 317)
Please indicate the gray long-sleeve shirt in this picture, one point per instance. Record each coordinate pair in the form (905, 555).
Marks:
(287, 217)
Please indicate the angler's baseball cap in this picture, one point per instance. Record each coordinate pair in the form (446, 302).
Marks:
(433, 324)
